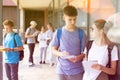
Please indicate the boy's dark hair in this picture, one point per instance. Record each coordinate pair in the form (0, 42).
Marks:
(70, 11)
(100, 23)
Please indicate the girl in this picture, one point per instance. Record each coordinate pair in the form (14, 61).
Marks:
(50, 33)
(99, 53)
(42, 38)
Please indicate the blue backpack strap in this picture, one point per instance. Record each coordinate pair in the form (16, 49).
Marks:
(80, 33)
(5, 35)
(59, 33)
(14, 39)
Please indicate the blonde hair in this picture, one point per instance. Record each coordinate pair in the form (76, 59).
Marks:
(100, 24)
(33, 23)
(8, 22)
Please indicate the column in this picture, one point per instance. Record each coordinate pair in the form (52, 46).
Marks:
(1, 38)
(22, 24)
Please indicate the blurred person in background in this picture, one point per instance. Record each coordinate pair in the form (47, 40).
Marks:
(50, 33)
(42, 39)
(31, 34)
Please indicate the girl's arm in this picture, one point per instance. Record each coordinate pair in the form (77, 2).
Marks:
(105, 69)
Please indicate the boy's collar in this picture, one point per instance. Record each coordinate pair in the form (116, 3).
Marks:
(70, 29)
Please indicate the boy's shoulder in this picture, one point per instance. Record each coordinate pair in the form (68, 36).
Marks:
(60, 29)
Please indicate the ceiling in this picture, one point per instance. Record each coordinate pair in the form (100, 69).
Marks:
(37, 4)
(43, 4)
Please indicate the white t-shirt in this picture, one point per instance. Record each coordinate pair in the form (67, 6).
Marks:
(42, 38)
(31, 31)
(49, 34)
(99, 54)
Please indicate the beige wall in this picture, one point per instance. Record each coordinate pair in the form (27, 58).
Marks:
(37, 16)
(10, 12)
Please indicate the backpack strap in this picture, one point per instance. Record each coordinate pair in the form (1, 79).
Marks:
(29, 30)
(80, 33)
(89, 44)
(109, 55)
(59, 33)
(5, 35)
(14, 39)
(110, 77)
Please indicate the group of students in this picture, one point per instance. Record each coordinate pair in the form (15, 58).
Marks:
(70, 48)
(72, 60)
(12, 44)
(44, 37)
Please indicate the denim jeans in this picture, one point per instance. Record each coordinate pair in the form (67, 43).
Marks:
(31, 50)
(71, 77)
(12, 71)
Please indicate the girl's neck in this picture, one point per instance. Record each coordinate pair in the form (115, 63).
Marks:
(42, 31)
(102, 40)
(31, 26)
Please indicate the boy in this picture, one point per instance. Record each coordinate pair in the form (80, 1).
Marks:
(69, 65)
(12, 44)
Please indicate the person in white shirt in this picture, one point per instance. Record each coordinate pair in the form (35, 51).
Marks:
(99, 53)
(50, 33)
(42, 39)
(31, 34)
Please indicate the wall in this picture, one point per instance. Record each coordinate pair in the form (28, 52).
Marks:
(10, 12)
(37, 16)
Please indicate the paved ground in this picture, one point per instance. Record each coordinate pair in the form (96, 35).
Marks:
(37, 72)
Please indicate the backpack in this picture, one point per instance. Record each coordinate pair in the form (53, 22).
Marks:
(80, 33)
(21, 52)
(117, 75)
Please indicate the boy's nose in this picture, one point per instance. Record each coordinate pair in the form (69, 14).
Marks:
(73, 21)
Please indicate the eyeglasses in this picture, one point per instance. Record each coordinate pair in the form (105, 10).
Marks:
(91, 29)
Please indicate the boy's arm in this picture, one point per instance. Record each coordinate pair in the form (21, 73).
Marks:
(77, 58)
(55, 51)
(58, 53)
(20, 48)
(80, 57)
